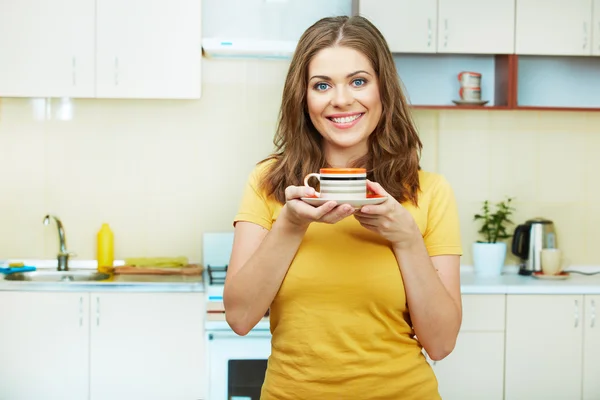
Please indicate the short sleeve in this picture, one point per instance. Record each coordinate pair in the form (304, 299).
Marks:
(442, 235)
(254, 206)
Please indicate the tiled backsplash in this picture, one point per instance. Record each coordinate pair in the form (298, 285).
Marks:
(162, 172)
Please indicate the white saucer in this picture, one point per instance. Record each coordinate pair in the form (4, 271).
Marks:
(470, 102)
(356, 203)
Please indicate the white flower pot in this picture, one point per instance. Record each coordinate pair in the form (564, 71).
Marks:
(488, 258)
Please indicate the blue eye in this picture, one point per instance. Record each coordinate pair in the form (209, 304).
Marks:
(321, 86)
(359, 82)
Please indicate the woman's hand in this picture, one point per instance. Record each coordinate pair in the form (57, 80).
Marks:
(302, 214)
(389, 219)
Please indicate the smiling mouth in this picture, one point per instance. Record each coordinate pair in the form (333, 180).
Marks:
(345, 120)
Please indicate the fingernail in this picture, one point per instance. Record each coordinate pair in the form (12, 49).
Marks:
(365, 210)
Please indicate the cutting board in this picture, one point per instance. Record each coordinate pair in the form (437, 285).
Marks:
(190, 269)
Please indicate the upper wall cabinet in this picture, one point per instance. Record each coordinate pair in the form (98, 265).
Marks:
(409, 26)
(100, 48)
(596, 30)
(47, 48)
(476, 26)
(444, 26)
(557, 27)
(148, 49)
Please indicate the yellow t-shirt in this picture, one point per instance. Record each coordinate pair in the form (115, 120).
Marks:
(340, 322)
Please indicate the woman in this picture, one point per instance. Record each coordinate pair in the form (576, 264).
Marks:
(349, 291)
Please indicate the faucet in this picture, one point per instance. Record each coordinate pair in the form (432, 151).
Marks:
(63, 254)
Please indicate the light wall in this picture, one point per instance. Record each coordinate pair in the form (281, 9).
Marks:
(163, 172)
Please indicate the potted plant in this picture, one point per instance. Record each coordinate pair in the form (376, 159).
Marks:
(489, 254)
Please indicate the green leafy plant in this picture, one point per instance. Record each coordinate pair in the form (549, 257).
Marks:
(494, 224)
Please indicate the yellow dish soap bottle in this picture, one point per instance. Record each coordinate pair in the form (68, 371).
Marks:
(105, 249)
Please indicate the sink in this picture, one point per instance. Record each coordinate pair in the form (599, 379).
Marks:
(57, 276)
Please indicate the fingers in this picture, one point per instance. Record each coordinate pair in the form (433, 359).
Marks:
(323, 210)
(296, 192)
(338, 214)
(367, 220)
(376, 188)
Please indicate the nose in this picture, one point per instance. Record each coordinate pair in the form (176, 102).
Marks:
(342, 97)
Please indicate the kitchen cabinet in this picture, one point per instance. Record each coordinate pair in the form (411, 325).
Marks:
(476, 26)
(558, 27)
(47, 48)
(444, 26)
(409, 26)
(475, 369)
(44, 346)
(544, 346)
(596, 29)
(146, 346)
(97, 346)
(138, 49)
(148, 49)
(591, 348)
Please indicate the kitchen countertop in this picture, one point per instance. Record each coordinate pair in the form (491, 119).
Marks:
(508, 283)
(512, 283)
(116, 283)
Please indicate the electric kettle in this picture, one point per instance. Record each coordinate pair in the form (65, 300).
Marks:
(528, 241)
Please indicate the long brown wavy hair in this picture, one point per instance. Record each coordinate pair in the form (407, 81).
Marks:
(394, 146)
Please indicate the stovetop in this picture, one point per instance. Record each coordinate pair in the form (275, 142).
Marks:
(216, 254)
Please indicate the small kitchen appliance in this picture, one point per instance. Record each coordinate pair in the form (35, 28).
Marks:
(528, 241)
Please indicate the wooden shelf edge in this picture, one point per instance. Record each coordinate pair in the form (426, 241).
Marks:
(540, 108)
(450, 107)
(506, 108)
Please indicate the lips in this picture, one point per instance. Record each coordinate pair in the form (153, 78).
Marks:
(344, 121)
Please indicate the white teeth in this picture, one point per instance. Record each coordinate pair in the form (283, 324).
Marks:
(345, 120)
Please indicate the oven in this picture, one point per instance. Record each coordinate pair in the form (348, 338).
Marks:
(235, 365)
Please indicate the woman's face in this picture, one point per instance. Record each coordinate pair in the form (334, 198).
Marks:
(343, 100)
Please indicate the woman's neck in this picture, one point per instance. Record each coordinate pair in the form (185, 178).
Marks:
(342, 158)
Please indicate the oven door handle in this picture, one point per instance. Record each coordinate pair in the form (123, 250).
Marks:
(232, 335)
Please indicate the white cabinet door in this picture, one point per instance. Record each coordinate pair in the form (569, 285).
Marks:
(409, 26)
(148, 49)
(147, 346)
(476, 26)
(47, 48)
(554, 27)
(591, 349)
(544, 339)
(596, 29)
(475, 369)
(44, 345)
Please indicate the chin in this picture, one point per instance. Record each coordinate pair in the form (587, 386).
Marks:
(347, 141)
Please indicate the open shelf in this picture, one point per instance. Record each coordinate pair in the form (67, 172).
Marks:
(431, 80)
(558, 83)
(510, 82)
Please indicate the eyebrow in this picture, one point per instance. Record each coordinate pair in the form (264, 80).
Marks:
(326, 78)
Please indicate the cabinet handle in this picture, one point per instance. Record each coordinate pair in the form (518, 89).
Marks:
(576, 313)
(593, 321)
(428, 32)
(445, 32)
(97, 311)
(81, 311)
(585, 35)
(116, 71)
(74, 65)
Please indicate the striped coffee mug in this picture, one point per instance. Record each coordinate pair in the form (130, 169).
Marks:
(340, 183)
